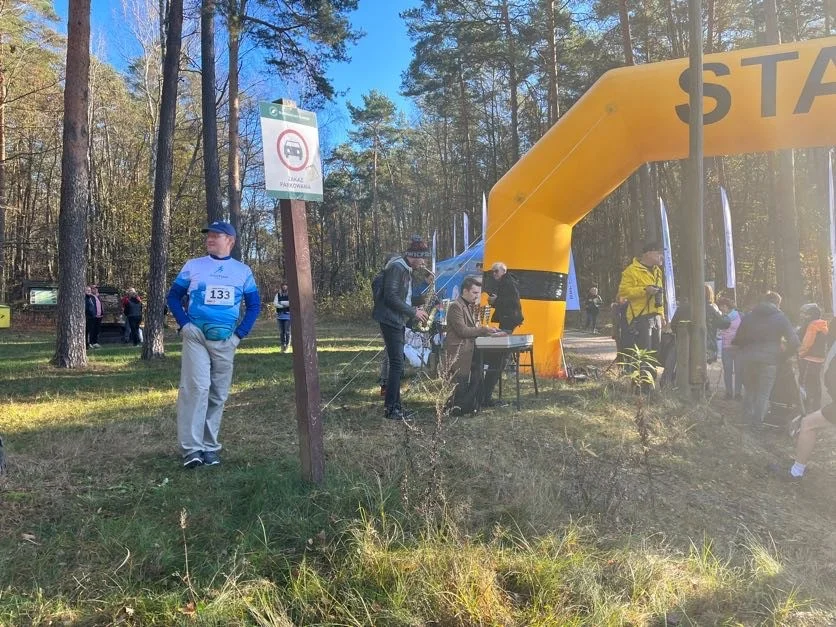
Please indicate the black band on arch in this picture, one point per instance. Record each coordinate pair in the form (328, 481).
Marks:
(534, 284)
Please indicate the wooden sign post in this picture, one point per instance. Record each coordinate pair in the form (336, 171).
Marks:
(293, 174)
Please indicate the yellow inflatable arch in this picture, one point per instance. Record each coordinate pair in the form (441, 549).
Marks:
(759, 99)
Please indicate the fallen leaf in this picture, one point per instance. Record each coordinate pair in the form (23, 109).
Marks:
(129, 611)
(30, 538)
(188, 609)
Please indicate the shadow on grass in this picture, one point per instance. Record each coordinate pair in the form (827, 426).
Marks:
(101, 503)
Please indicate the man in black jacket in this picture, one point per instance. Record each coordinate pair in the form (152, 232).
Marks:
(759, 339)
(393, 310)
(507, 313)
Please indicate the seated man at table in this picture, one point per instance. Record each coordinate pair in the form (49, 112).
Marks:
(460, 344)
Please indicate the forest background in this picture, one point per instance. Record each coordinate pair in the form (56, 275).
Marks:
(486, 79)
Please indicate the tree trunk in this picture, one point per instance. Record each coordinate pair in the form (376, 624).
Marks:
(626, 37)
(554, 102)
(70, 346)
(211, 166)
(153, 345)
(236, 10)
(635, 217)
(2, 174)
(640, 189)
(786, 222)
(820, 160)
(652, 217)
(711, 19)
(512, 83)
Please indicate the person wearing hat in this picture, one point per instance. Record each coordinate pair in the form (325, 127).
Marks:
(642, 288)
(216, 285)
(393, 310)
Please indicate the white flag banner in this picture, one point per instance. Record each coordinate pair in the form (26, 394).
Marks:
(435, 249)
(731, 278)
(466, 229)
(832, 200)
(667, 268)
(573, 301)
(454, 239)
(484, 217)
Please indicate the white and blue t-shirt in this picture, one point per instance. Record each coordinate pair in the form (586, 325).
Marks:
(215, 286)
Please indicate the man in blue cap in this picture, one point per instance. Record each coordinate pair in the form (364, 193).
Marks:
(215, 284)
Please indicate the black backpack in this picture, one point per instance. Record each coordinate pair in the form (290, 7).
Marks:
(377, 287)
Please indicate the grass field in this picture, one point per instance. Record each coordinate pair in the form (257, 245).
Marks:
(558, 514)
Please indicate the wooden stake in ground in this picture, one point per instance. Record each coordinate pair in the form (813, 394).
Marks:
(293, 174)
(297, 260)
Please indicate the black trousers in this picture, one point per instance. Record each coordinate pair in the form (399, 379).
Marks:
(645, 333)
(133, 322)
(93, 325)
(284, 332)
(393, 338)
(466, 397)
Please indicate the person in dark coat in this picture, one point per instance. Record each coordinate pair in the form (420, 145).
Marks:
(393, 310)
(94, 312)
(282, 304)
(133, 314)
(760, 339)
(592, 306)
(505, 300)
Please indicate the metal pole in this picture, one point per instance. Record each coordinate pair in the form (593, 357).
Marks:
(696, 262)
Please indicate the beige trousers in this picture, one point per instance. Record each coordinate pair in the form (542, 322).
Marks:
(205, 378)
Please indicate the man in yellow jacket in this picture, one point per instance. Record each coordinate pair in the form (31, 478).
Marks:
(642, 286)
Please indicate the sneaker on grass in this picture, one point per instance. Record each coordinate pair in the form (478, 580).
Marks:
(211, 458)
(786, 472)
(193, 460)
(398, 413)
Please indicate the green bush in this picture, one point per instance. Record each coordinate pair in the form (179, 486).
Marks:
(353, 307)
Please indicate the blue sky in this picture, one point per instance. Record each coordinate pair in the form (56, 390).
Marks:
(378, 59)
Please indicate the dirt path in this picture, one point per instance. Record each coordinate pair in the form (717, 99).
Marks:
(598, 348)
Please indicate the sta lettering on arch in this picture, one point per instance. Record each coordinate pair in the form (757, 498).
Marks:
(814, 85)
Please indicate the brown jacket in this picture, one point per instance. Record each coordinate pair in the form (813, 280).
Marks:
(460, 342)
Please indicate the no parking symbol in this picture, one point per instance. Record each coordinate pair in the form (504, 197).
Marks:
(292, 164)
(293, 150)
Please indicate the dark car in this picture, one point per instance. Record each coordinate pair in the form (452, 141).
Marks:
(293, 149)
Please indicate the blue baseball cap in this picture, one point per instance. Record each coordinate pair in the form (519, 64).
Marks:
(220, 227)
